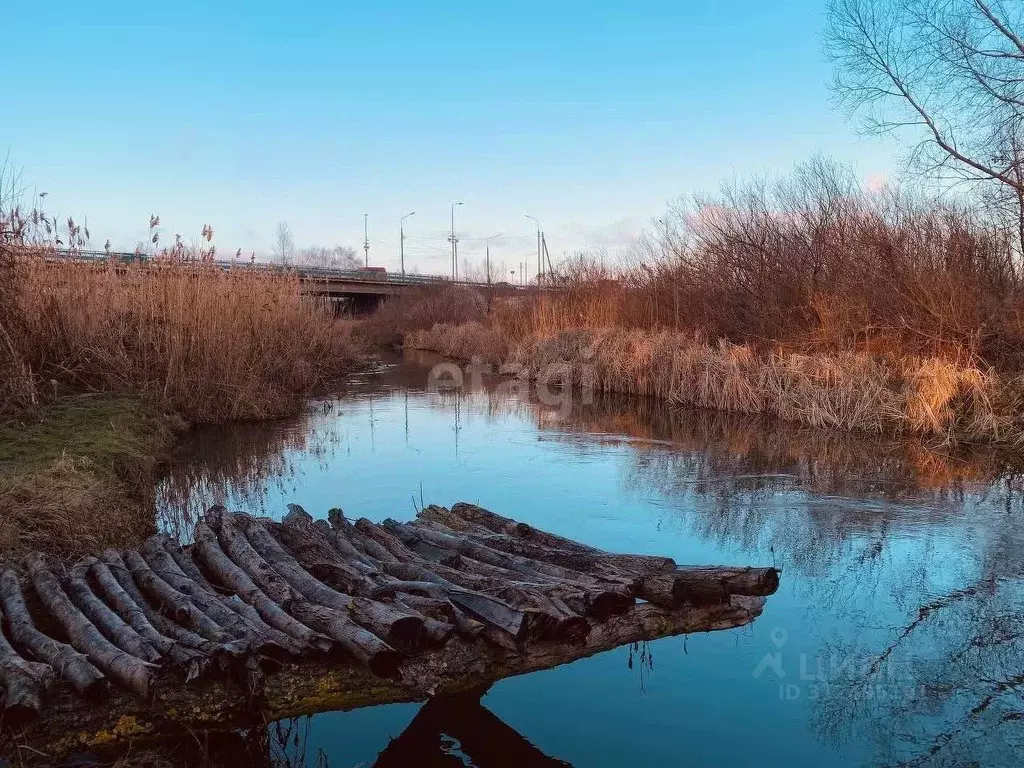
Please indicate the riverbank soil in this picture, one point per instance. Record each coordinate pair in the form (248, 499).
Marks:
(77, 475)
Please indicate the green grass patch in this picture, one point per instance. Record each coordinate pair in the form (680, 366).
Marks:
(77, 476)
(106, 430)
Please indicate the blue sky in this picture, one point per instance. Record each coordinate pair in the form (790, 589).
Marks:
(243, 114)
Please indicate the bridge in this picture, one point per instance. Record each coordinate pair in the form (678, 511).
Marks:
(365, 288)
(360, 289)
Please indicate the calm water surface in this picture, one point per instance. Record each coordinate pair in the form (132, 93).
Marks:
(895, 638)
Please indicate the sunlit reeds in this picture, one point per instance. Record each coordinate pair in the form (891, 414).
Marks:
(811, 299)
(210, 344)
(939, 399)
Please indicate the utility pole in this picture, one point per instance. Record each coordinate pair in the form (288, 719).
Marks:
(547, 257)
(366, 237)
(401, 238)
(487, 257)
(540, 266)
(454, 240)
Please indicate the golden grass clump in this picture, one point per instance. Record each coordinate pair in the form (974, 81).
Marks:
(67, 508)
(465, 341)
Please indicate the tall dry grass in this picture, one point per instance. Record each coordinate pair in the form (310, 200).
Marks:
(813, 261)
(942, 400)
(449, 304)
(210, 344)
(810, 298)
(207, 343)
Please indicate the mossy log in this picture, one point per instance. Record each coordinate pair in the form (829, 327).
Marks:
(261, 620)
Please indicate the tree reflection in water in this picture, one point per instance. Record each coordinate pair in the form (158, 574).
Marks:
(928, 663)
(214, 465)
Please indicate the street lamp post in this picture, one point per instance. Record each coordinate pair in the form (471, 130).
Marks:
(540, 265)
(366, 238)
(455, 246)
(487, 258)
(401, 238)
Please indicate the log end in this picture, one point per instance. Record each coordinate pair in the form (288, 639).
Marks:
(608, 604)
(408, 635)
(386, 664)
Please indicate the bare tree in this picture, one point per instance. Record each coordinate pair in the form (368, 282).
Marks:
(284, 244)
(336, 257)
(952, 69)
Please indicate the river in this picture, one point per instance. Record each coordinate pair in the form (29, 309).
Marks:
(896, 637)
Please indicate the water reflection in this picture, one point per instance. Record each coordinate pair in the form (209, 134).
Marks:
(897, 637)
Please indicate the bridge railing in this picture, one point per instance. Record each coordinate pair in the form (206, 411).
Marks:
(304, 272)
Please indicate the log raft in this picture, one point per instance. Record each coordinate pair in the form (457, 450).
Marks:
(261, 620)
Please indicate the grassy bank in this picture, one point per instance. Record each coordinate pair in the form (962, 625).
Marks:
(930, 397)
(77, 475)
(102, 361)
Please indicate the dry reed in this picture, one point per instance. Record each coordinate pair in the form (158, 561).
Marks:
(207, 343)
(810, 299)
(938, 399)
(448, 304)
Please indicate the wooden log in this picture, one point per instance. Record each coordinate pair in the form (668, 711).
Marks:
(503, 525)
(489, 610)
(496, 567)
(602, 565)
(455, 522)
(401, 629)
(519, 538)
(222, 652)
(24, 683)
(69, 665)
(188, 658)
(410, 634)
(363, 535)
(329, 685)
(706, 585)
(471, 513)
(232, 576)
(430, 552)
(340, 526)
(176, 604)
(364, 646)
(550, 618)
(310, 545)
(131, 672)
(437, 631)
(547, 614)
(241, 552)
(402, 560)
(554, 601)
(105, 619)
(495, 612)
(535, 569)
(267, 640)
(185, 568)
